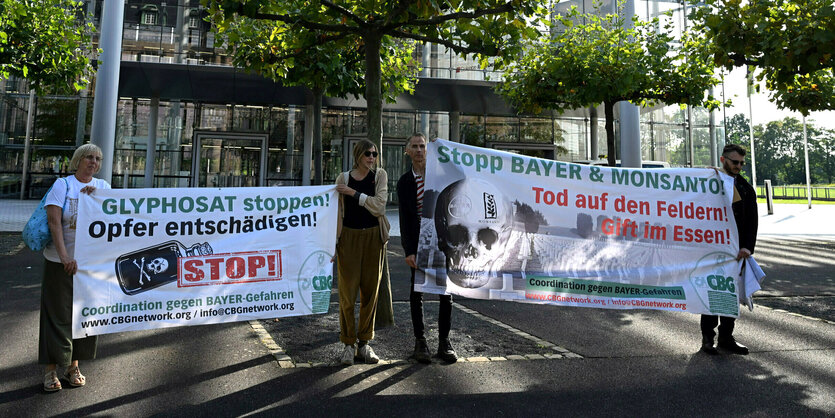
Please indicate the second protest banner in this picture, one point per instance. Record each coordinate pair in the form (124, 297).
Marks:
(503, 226)
(153, 258)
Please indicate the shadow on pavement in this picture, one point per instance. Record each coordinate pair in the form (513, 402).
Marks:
(728, 386)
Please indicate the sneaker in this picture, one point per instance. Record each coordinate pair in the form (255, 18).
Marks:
(446, 352)
(368, 355)
(421, 353)
(348, 354)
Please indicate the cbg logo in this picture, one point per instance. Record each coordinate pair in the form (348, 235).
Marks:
(716, 282)
(721, 283)
(322, 282)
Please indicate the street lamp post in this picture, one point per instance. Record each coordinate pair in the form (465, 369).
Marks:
(806, 158)
(750, 79)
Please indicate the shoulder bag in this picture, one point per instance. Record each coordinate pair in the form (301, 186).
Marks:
(36, 232)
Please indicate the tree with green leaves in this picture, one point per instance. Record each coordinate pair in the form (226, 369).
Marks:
(737, 129)
(822, 157)
(737, 132)
(780, 152)
(790, 42)
(483, 27)
(605, 61)
(44, 42)
(336, 68)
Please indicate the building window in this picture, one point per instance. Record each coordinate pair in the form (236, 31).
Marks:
(194, 18)
(149, 18)
(150, 15)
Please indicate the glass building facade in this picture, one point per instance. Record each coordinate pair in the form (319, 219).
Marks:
(235, 142)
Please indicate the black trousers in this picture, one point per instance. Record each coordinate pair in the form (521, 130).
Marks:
(444, 313)
(726, 326)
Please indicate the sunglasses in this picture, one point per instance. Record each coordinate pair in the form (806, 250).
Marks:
(370, 154)
(736, 162)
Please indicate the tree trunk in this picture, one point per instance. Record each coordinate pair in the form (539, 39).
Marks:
(317, 136)
(609, 109)
(373, 95)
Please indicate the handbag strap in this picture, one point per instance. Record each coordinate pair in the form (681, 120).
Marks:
(66, 193)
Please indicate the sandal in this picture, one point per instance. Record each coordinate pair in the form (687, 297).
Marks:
(51, 382)
(74, 376)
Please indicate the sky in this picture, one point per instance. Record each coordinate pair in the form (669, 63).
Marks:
(764, 111)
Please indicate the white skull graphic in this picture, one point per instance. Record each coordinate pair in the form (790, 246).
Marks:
(157, 266)
(474, 222)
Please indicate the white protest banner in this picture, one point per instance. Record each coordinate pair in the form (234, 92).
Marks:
(155, 258)
(503, 226)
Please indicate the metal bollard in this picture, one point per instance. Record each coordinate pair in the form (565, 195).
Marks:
(769, 197)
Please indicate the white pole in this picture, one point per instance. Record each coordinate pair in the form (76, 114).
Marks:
(806, 157)
(103, 131)
(26, 142)
(714, 152)
(594, 152)
(630, 114)
(750, 78)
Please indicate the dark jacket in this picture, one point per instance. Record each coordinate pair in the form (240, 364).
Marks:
(409, 219)
(745, 212)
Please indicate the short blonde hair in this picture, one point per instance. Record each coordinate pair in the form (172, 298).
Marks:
(82, 152)
(360, 148)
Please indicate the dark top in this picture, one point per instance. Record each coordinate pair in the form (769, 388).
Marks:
(745, 213)
(356, 216)
(409, 219)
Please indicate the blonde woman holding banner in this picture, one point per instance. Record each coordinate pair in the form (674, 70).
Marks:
(362, 232)
(57, 347)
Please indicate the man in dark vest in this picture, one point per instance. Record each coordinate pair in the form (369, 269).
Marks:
(745, 213)
(410, 198)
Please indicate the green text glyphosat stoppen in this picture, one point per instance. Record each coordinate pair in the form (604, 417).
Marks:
(202, 204)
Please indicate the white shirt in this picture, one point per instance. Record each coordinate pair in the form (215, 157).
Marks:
(56, 197)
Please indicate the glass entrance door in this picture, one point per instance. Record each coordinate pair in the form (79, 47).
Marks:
(396, 162)
(229, 159)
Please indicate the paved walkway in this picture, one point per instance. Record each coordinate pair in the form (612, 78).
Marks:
(788, 219)
(794, 219)
(15, 213)
(631, 363)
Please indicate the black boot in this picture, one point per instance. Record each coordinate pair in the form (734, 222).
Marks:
(708, 347)
(421, 353)
(730, 344)
(446, 352)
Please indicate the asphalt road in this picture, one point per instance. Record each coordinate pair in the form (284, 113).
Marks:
(800, 275)
(609, 363)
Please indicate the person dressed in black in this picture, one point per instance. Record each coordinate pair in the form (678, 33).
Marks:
(745, 212)
(410, 195)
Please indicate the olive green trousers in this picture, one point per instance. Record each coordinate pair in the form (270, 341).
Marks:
(359, 268)
(56, 343)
